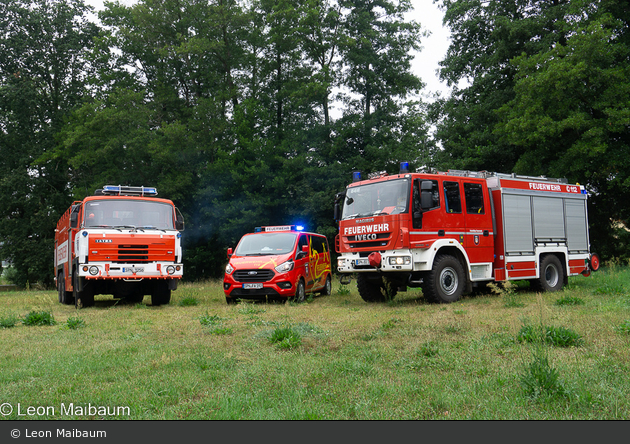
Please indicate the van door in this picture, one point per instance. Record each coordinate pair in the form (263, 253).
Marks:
(302, 264)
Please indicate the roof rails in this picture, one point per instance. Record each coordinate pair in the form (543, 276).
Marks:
(122, 190)
(486, 174)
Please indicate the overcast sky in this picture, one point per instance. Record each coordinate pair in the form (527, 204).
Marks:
(425, 63)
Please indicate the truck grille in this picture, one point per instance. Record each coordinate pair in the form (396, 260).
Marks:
(253, 275)
(382, 239)
(133, 253)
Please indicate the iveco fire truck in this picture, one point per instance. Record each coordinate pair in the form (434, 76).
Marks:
(448, 232)
(122, 241)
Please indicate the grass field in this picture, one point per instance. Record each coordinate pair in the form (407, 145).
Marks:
(514, 355)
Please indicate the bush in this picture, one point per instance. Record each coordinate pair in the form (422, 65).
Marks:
(569, 300)
(75, 323)
(285, 338)
(8, 321)
(540, 378)
(188, 301)
(39, 318)
(558, 336)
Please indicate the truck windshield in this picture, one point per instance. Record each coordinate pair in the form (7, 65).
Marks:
(129, 214)
(386, 197)
(263, 244)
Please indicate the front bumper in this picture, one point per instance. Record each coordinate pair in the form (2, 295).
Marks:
(391, 261)
(154, 270)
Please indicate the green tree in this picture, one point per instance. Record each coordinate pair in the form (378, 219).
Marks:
(43, 67)
(486, 36)
(570, 116)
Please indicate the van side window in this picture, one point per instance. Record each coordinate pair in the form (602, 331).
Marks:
(317, 245)
(452, 199)
(474, 198)
(302, 241)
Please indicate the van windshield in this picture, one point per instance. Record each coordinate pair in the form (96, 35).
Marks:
(262, 244)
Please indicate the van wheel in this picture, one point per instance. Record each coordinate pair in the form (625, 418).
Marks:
(446, 281)
(327, 290)
(231, 301)
(300, 292)
(551, 274)
(376, 288)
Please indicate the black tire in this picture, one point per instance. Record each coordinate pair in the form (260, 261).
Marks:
(300, 292)
(65, 297)
(84, 298)
(161, 294)
(327, 290)
(445, 283)
(551, 273)
(376, 289)
(231, 301)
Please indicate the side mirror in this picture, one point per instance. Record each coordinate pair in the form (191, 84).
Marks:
(337, 212)
(74, 216)
(426, 196)
(229, 252)
(304, 248)
(179, 220)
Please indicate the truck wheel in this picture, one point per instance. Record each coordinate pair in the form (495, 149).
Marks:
(82, 299)
(551, 273)
(161, 294)
(65, 297)
(376, 289)
(327, 290)
(446, 282)
(300, 292)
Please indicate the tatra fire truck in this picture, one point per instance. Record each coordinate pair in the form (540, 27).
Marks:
(122, 241)
(449, 232)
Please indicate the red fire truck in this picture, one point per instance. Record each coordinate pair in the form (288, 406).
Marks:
(122, 241)
(448, 232)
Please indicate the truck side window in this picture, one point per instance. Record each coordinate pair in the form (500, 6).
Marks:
(452, 199)
(474, 198)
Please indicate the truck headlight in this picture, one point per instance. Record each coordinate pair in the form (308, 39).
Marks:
(400, 260)
(341, 262)
(285, 266)
(93, 270)
(170, 269)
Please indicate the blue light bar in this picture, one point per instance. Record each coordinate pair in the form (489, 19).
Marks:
(122, 190)
(257, 229)
(356, 176)
(404, 167)
(299, 228)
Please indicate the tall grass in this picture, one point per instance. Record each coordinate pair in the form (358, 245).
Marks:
(333, 358)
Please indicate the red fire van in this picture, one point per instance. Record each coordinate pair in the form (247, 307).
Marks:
(278, 263)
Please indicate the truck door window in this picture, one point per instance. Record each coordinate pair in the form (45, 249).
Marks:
(452, 199)
(474, 198)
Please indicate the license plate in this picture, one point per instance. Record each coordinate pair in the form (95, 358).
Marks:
(252, 286)
(133, 269)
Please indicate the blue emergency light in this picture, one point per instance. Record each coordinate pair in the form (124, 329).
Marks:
(299, 228)
(129, 191)
(404, 167)
(356, 176)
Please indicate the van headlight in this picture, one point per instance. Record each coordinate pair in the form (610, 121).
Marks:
(285, 267)
(229, 269)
